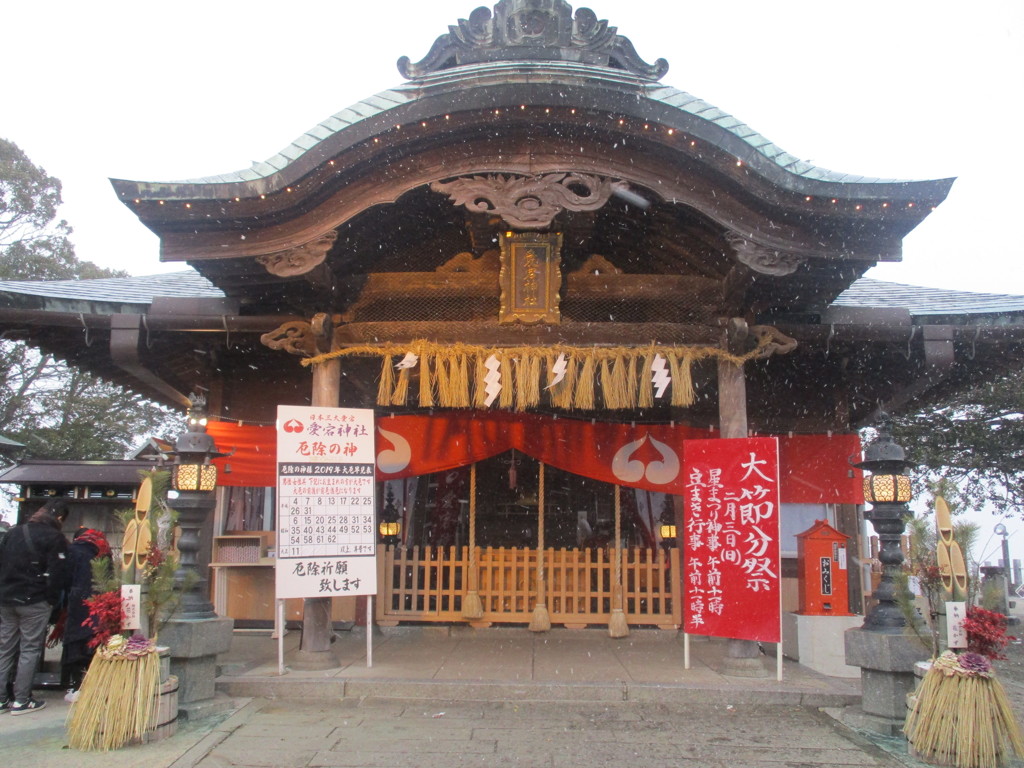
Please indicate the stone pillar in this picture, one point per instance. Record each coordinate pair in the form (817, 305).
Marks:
(994, 590)
(743, 657)
(884, 647)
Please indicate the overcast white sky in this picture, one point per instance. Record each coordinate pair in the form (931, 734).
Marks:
(910, 89)
(917, 89)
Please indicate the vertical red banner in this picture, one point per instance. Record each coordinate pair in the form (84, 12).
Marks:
(731, 577)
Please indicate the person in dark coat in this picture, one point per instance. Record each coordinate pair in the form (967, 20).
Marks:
(88, 545)
(32, 564)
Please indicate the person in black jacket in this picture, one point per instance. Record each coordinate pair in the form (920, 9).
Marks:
(32, 558)
(87, 545)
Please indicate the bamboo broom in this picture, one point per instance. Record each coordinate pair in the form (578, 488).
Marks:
(962, 720)
(115, 703)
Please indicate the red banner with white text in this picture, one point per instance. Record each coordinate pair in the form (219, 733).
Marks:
(814, 468)
(731, 539)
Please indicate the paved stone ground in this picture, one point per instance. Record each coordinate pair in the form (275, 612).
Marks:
(1011, 670)
(419, 734)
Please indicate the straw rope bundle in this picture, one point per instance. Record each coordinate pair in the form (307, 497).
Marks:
(621, 376)
(962, 718)
(115, 705)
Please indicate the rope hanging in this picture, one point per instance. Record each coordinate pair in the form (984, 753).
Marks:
(541, 620)
(617, 625)
(472, 606)
(454, 375)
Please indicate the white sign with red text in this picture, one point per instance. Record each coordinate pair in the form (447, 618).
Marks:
(326, 521)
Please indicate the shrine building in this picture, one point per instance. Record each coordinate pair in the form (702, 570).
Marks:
(546, 272)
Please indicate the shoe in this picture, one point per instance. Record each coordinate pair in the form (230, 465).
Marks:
(71, 696)
(5, 706)
(29, 706)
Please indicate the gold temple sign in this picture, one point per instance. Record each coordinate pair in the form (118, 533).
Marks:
(530, 277)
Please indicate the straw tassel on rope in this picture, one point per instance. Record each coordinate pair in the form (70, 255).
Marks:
(449, 378)
(387, 382)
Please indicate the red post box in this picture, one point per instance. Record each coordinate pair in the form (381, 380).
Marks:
(823, 571)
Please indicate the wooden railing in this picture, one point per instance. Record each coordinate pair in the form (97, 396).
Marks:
(428, 584)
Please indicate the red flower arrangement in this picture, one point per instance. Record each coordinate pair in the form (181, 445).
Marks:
(104, 617)
(986, 632)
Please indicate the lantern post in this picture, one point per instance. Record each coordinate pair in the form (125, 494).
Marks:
(889, 491)
(195, 633)
(195, 480)
(884, 648)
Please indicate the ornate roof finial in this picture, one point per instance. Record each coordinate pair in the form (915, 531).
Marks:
(532, 30)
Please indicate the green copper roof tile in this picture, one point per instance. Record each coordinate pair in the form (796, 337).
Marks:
(320, 132)
(305, 141)
(348, 116)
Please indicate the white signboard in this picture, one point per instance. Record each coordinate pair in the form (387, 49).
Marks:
(326, 522)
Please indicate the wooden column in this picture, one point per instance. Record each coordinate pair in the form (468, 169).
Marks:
(743, 657)
(315, 648)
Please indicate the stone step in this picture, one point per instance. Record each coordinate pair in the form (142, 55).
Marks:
(307, 687)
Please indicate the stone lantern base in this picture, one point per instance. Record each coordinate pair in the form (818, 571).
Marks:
(886, 661)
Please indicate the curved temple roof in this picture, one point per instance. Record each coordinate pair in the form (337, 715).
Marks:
(728, 132)
(530, 57)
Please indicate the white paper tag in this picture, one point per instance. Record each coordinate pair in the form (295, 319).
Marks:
(956, 635)
(131, 606)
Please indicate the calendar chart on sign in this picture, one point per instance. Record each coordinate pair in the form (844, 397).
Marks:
(325, 513)
(326, 525)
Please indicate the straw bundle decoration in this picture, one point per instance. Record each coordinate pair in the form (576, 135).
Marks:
(584, 399)
(116, 702)
(522, 382)
(443, 379)
(426, 382)
(683, 393)
(632, 382)
(561, 393)
(609, 377)
(962, 716)
(479, 390)
(387, 380)
(463, 382)
(533, 382)
(610, 397)
(401, 393)
(645, 398)
(505, 396)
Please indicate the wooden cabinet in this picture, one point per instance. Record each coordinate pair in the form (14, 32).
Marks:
(244, 581)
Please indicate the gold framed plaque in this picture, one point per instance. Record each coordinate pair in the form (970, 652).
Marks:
(530, 277)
